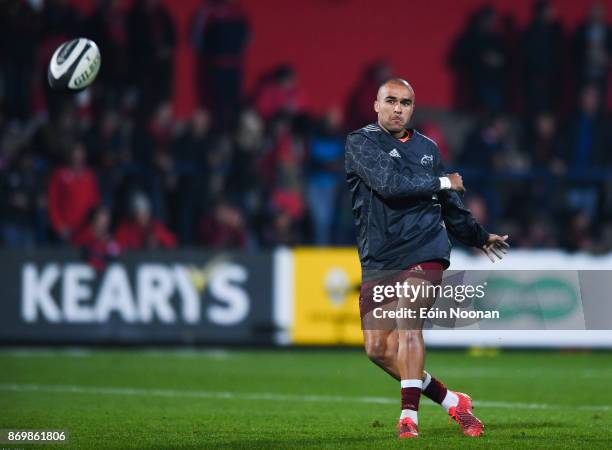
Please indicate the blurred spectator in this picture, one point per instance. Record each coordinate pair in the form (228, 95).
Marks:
(108, 27)
(281, 166)
(20, 25)
(153, 135)
(248, 146)
(20, 202)
(511, 33)
(151, 44)
(58, 134)
(61, 19)
(14, 138)
(543, 58)
(593, 49)
(279, 92)
(541, 234)
(289, 201)
(588, 139)
(463, 96)
(154, 168)
(108, 143)
(606, 240)
(223, 228)
(275, 177)
(588, 133)
(545, 143)
(284, 231)
(344, 222)
(96, 241)
(164, 180)
(478, 207)
(191, 148)
(217, 168)
(482, 56)
(220, 34)
(193, 142)
(485, 146)
(282, 176)
(162, 127)
(489, 150)
(359, 109)
(512, 228)
(141, 231)
(579, 232)
(250, 133)
(325, 164)
(73, 193)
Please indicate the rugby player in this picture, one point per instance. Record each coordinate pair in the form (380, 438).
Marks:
(404, 204)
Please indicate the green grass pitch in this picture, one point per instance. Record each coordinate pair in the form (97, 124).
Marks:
(285, 399)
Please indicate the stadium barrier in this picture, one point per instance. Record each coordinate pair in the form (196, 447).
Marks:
(324, 300)
(304, 296)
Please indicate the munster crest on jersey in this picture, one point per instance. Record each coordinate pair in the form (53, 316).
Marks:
(427, 161)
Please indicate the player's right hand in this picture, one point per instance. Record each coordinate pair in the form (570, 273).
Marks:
(456, 182)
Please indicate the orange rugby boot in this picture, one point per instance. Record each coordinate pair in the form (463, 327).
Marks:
(462, 414)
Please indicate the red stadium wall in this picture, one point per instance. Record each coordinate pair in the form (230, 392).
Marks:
(329, 42)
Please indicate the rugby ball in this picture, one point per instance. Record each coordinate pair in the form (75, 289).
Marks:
(74, 65)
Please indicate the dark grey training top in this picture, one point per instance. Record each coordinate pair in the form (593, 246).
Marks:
(402, 215)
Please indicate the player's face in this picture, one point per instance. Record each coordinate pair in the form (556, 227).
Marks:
(394, 105)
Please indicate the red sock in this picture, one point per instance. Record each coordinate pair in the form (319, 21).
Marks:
(435, 390)
(410, 398)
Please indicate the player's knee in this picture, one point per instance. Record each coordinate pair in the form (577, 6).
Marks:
(376, 350)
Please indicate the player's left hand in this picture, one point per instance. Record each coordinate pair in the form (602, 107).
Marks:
(496, 246)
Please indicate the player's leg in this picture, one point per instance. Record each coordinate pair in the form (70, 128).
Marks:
(383, 352)
(414, 380)
(381, 348)
(411, 351)
(378, 334)
(457, 404)
(433, 388)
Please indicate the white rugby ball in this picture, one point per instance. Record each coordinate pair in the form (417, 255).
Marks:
(74, 65)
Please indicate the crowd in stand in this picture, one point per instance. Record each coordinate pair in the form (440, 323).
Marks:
(112, 169)
(542, 101)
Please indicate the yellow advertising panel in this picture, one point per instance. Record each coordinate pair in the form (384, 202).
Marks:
(326, 297)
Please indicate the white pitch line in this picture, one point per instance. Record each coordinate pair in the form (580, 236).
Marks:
(222, 354)
(267, 396)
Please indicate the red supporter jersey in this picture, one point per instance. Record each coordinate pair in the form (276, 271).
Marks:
(132, 236)
(72, 195)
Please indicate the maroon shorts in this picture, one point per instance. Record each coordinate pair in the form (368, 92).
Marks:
(430, 271)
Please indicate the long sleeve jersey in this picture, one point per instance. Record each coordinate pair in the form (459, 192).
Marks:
(401, 213)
